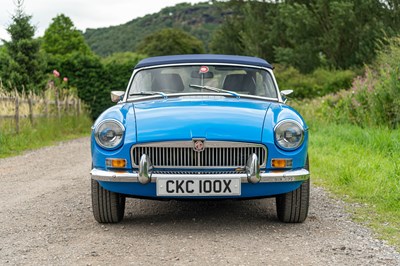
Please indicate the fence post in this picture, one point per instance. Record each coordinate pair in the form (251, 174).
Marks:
(73, 106)
(46, 105)
(16, 111)
(30, 102)
(79, 107)
(57, 104)
(66, 106)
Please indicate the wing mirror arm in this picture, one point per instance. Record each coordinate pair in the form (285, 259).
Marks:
(117, 96)
(284, 95)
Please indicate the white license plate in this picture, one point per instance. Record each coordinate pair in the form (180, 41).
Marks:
(198, 186)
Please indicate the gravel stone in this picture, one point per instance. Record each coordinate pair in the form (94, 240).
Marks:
(46, 219)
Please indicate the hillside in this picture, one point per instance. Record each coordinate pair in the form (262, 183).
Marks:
(200, 20)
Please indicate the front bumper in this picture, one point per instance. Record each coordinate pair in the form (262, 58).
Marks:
(265, 177)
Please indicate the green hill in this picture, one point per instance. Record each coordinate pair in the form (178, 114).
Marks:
(199, 20)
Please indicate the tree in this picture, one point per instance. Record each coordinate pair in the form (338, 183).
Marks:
(298, 42)
(345, 33)
(258, 37)
(62, 38)
(25, 67)
(308, 34)
(4, 61)
(170, 41)
(227, 39)
(68, 53)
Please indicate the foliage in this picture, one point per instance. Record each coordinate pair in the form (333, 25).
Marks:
(344, 33)
(61, 37)
(374, 99)
(259, 36)
(23, 66)
(337, 34)
(95, 78)
(199, 20)
(226, 39)
(4, 61)
(69, 54)
(119, 67)
(45, 132)
(362, 168)
(318, 83)
(170, 42)
(88, 74)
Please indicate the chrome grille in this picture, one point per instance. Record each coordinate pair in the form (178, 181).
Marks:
(217, 154)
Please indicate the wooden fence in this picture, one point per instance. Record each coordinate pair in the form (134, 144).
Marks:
(35, 106)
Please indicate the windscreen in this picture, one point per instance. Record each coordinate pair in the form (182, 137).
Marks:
(195, 79)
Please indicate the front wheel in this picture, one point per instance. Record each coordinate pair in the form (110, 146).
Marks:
(292, 207)
(108, 207)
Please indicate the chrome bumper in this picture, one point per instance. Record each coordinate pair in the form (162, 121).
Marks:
(270, 177)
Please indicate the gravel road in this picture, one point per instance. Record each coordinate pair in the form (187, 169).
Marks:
(46, 218)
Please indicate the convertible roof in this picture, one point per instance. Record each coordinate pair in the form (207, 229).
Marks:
(202, 59)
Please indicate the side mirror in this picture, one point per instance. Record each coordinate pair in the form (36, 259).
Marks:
(284, 94)
(117, 96)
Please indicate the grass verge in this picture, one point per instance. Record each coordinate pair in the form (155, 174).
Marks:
(45, 132)
(360, 166)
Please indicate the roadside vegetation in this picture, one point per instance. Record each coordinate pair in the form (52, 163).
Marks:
(360, 166)
(45, 132)
(355, 143)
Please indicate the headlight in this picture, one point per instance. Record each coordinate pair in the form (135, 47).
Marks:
(289, 134)
(109, 133)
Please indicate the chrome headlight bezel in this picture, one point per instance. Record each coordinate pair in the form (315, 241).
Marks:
(118, 137)
(283, 142)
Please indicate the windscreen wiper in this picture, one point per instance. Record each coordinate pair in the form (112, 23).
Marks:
(201, 87)
(149, 93)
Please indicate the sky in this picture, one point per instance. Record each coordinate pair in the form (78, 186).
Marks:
(84, 13)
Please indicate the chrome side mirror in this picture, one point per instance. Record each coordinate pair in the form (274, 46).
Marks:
(284, 94)
(117, 96)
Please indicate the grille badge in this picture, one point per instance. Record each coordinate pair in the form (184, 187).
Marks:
(198, 145)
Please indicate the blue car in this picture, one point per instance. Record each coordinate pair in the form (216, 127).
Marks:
(200, 127)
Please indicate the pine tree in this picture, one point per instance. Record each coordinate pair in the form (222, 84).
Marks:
(24, 67)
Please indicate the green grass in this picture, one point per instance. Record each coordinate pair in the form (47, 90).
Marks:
(45, 132)
(360, 166)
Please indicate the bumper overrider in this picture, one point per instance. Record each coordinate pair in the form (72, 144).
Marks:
(252, 174)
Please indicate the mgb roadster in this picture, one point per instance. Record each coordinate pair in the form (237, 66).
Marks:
(202, 127)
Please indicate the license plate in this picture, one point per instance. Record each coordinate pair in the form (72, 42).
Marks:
(198, 186)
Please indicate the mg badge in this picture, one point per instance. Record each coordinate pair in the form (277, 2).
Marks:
(198, 145)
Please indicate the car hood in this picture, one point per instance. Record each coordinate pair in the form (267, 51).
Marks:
(212, 118)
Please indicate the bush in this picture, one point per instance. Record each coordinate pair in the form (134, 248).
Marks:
(318, 83)
(119, 67)
(170, 41)
(373, 99)
(89, 76)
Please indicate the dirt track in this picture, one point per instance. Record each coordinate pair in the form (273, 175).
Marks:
(45, 218)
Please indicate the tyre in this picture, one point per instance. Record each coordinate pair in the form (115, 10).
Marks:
(292, 207)
(108, 207)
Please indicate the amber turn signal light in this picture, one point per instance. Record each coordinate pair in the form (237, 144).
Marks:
(116, 163)
(282, 163)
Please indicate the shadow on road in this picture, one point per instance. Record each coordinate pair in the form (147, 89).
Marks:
(201, 216)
